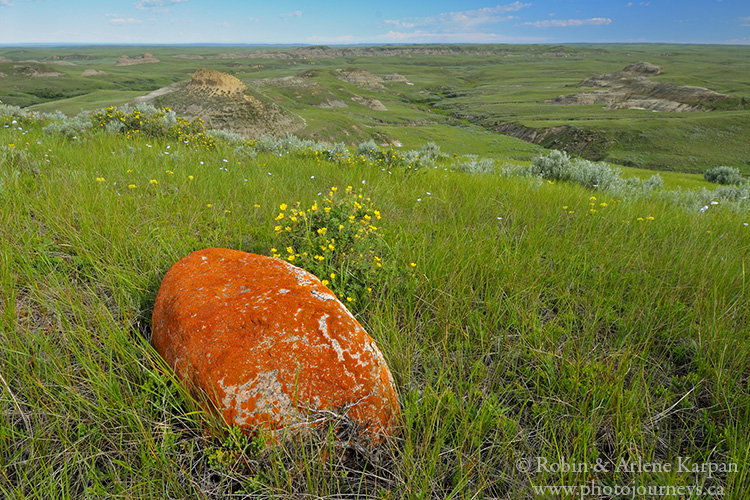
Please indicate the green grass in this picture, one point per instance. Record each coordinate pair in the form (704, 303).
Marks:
(97, 99)
(533, 327)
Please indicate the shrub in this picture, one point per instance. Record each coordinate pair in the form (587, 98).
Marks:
(337, 240)
(593, 174)
(555, 166)
(227, 136)
(723, 175)
(151, 122)
(67, 126)
(473, 165)
(368, 149)
(338, 152)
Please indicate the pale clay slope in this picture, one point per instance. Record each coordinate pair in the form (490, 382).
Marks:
(631, 88)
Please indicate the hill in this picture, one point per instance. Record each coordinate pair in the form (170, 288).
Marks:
(224, 102)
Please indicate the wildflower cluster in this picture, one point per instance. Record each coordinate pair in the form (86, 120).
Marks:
(151, 122)
(336, 239)
(13, 116)
(368, 153)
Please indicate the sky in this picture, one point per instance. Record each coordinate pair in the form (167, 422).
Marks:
(334, 22)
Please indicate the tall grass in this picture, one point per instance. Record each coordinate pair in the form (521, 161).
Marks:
(539, 320)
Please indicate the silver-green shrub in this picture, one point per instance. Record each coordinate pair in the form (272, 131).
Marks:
(69, 126)
(226, 135)
(473, 165)
(723, 175)
(368, 149)
(592, 174)
(554, 166)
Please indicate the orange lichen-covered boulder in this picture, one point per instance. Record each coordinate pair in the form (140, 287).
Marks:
(269, 345)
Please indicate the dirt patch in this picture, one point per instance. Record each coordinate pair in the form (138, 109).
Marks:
(93, 72)
(360, 78)
(216, 82)
(4, 59)
(371, 103)
(631, 88)
(144, 58)
(333, 103)
(36, 71)
(395, 77)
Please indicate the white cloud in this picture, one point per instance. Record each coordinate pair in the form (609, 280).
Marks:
(156, 5)
(565, 23)
(6, 3)
(286, 16)
(463, 19)
(253, 19)
(431, 37)
(745, 21)
(122, 21)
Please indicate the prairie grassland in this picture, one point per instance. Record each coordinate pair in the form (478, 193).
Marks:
(452, 87)
(526, 322)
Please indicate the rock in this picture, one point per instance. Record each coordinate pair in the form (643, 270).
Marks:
(144, 58)
(269, 345)
(645, 68)
(93, 72)
(371, 103)
(360, 77)
(395, 77)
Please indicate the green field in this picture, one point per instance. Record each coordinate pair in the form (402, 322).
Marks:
(526, 321)
(466, 87)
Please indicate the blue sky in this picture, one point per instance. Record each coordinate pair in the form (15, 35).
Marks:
(380, 21)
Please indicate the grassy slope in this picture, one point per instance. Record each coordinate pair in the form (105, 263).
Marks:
(530, 331)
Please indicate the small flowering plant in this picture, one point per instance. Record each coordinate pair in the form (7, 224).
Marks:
(336, 239)
(154, 122)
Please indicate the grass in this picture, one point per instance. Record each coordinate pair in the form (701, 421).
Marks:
(541, 326)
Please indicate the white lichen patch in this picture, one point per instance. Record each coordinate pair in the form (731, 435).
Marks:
(321, 295)
(323, 327)
(268, 394)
